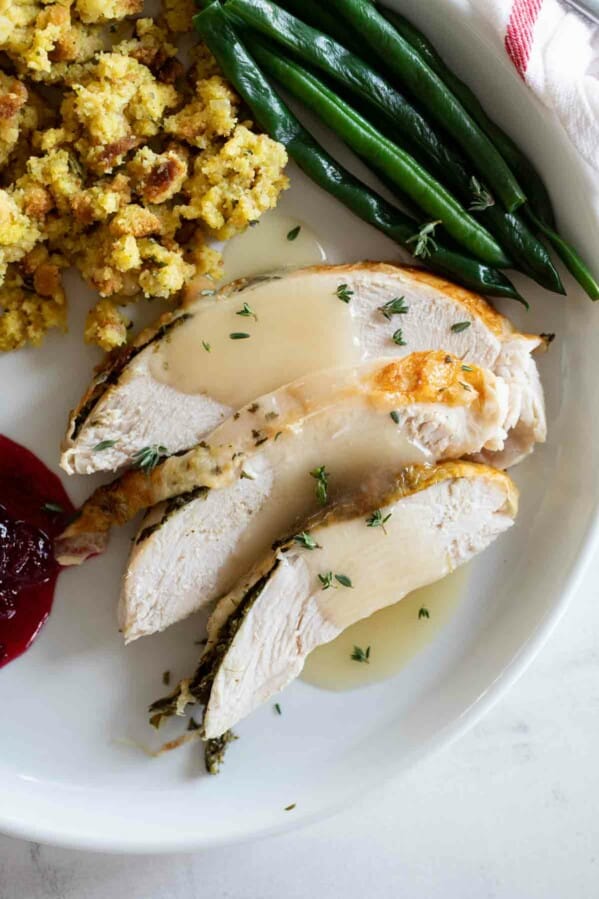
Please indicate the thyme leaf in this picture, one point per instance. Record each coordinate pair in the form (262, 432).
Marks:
(397, 338)
(396, 306)
(395, 416)
(306, 540)
(377, 520)
(344, 293)
(322, 483)
(103, 445)
(423, 613)
(481, 198)
(425, 239)
(343, 580)
(239, 335)
(247, 312)
(460, 326)
(326, 580)
(360, 655)
(291, 235)
(206, 346)
(147, 459)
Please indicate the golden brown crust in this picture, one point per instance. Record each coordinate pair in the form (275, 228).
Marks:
(413, 479)
(431, 377)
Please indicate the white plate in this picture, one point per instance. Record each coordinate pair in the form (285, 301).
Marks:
(66, 777)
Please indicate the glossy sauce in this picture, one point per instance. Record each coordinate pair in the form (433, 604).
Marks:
(359, 446)
(201, 356)
(279, 349)
(395, 635)
(28, 570)
(265, 247)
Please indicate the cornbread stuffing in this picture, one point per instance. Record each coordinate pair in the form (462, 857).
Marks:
(125, 169)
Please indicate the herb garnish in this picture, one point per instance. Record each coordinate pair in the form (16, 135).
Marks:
(376, 520)
(460, 326)
(103, 445)
(423, 613)
(344, 293)
(52, 508)
(247, 312)
(277, 708)
(467, 368)
(482, 199)
(206, 346)
(306, 540)
(289, 808)
(397, 338)
(465, 386)
(270, 416)
(395, 416)
(326, 580)
(360, 655)
(166, 678)
(322, 482)
(291, 235)
(424, 239)
(246, 476)
(147, 459)
(396, 306)
(238, 335)
(343, 580)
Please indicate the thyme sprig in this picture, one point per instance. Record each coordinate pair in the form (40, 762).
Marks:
(481, 198)
(147, 459)
(322, 483)
(425, 239)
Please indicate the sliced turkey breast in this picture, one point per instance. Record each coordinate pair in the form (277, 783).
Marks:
(338, 570)
(441, 408)
(421, 409)
(185, 375)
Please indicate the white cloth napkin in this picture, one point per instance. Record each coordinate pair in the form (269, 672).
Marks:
(556, 51)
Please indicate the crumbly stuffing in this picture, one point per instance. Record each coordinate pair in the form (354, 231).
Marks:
(32, 300)
(235, 185)
(106, 325)
(43, 40)
(158, 177)
(209, 117)
(128, 176)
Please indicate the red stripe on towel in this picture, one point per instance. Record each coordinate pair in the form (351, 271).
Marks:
(519, 35)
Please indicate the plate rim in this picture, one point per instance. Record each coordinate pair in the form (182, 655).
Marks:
(19, 827)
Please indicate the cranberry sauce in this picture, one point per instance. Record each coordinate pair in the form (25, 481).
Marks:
(33, 510)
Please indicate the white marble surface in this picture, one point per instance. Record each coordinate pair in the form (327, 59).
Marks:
(509, 812)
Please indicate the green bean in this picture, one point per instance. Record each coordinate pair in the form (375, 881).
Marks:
(522, 167)
(400, 58)
(315, 14)
(278, 121)
(399, 120)
(570, 257)
(382, 154)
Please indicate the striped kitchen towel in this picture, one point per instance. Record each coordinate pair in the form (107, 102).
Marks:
(556, 52)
